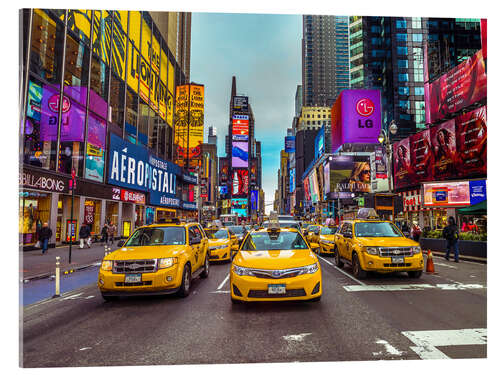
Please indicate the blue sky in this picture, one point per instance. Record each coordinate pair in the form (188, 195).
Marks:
(263, 51)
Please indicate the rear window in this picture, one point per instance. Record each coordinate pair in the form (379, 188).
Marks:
(157, 236)
(274, 241)
(328, 231)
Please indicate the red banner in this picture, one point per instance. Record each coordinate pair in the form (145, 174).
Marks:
(422, 158)
(89, 213)
(133, 197)
(403, 174)
(471, 135)
(459, 88)
(445, 150)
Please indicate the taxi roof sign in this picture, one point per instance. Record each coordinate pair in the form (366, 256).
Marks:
(367, 213)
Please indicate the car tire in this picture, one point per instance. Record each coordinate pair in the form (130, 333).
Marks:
(358, 272)
(315, 299)
(185, 287)
(206, 267)
(338, 261)
(414, 274)
(236, 301)
(109, 298)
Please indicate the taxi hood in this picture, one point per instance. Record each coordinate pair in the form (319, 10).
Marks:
(146, 252)
(386, 241)
(274, 259)
(220, 241)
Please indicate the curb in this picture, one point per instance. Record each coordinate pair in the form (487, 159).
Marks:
(63, 272)
(463, 257)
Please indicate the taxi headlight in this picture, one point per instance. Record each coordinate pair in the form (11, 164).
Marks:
(107, 265)
(309, 269)
(166, 262)
(242, 271)
(416, 250)
(372, 250)
(217, 247)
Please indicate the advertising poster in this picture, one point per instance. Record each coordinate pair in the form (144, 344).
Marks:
(254, 200)
(239, 206)
(313, 187)
(89, 212)
(402, 163)
(240, 182)
(326, 176)
(292, 180)
(457, 89)
(307, 191)
(471, 132)
(240, 155)
(444, 148)
(350, 174)
(422, 157)
(94, 168)
(290, 144)
(150, 215)
(240, 127)
(224, 170)
(223, 190)
(319, 143)
(253, 171)
(447, 194)
(380, 163)
(477, 191)
(35, 95)
(240, 103)
(196, 121)
(96, 132)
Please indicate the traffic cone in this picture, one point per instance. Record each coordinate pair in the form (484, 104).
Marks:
(430, 263)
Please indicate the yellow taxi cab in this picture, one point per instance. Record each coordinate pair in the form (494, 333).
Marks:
(275, 264)
(370, 244)
(312, 233)
(327, 240)
(220, 243)
(156, 259)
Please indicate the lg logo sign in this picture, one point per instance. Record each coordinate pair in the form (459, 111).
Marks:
(365, 108)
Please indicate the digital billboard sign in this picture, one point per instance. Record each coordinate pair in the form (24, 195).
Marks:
(422, 157)
(319, 143)
(349, 173)
(290, 144)
(240, 127)
(471, 132)
(240, 182)
(445, 194)
(402, 163)
(240, 155)
(240, 103)
(254, 200)
(239, 206)
(460, 87)
(444, 148)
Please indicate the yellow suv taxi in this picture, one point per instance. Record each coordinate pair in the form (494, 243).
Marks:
(369, 244)
(156, 259)
(220, 243)
(275, 264)
(327, 240)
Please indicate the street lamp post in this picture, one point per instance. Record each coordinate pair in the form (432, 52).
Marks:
(384, 139)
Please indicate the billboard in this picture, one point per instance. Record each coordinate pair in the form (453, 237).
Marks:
(460, 87)
(422, 157)
(240, 182)
(319, 143)
(307, 191)
(292, 180)
(326, 176)
(445, 194)
(240, 155)
(240, 127)
(290, 144)
(380, 163)
(349, 173)
(253, 171)
(477, 191)
(402, 163)
(471, 134)
(240, 103)
(254, 200)
(356, 118)
(239, 206)
(444, 148)
(223, 170)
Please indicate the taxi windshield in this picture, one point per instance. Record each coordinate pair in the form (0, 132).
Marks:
(270, 240)
(378, 229)
(157, 236)
(236, 229)
(312, 228)
(328, 231)
(216, 234)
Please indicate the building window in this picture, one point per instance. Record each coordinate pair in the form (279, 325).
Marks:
(131, 117)
(401, 37)
(402, 90)
(402, 51)
(117, 100)
(417, 37)
(402, 63)
(419, 91)
(403, 77)
(400, 24)
(416, 23)
(76, 70)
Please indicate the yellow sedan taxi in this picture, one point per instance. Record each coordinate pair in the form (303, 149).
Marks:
(220, 243)
(275, 264)
(370, 244)
(327, 240)
(156, 259)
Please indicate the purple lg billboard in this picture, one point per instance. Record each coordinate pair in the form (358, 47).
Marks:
(356, 118)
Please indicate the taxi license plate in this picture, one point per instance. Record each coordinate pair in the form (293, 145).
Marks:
(133, 278)
(276, 289)
(398, 260)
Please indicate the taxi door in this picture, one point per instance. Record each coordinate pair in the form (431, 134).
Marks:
(348, 241)
(195, 242)
(203, 245)
(341, 240)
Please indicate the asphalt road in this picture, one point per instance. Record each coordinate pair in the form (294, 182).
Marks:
(384, 317)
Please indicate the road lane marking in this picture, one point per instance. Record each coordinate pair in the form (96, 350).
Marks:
(86, 348)
(388, 348)
(427, 341)
(74, 296)
(223, 282)
(345, 273)
(405, 287)
(297, 338)
(221, 292)
(445, 265)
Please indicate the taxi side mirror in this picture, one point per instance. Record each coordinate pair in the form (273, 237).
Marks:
(121, 243)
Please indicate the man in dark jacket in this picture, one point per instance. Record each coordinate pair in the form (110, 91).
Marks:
(45, 235)
(450, 233)
(84, 235)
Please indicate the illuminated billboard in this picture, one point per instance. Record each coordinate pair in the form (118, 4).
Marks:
(240, 155)
(422, 157)
(239, 182)
(444, 147)
(240, 103)
(239, 206)
(445, 194)
(471, 132)
(350, 173)
(402, 163)
(240, 127)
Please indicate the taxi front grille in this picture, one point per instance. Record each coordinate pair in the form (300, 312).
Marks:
(134, 266)
(211, 257)
(265, 294)
(275, 274)
(397, 264)
(140, 283)
(395, 251)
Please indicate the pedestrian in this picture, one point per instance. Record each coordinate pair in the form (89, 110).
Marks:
(416, 232)
(45, 235)
(111, 231)
(104, 233)
(465, 226)
(450, 233)
(84, 235)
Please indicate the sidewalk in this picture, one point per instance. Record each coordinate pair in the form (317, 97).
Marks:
(33, 265)
(462, 257)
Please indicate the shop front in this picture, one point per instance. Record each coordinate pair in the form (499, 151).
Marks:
(34, 209)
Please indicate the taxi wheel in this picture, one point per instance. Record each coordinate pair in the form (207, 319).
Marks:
(358, 272)
(204, 274)
(186, 282)
(415, 274)
(338, 262)
(109, 298)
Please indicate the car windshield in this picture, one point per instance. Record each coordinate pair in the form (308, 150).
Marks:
(328, 230)
(215, 234)
(268, 240)
(284, 224)
(312, 228)
(236, 229)
(157, 236)
(383, 229)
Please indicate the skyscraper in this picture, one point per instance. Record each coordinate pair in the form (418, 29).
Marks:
(325, 59)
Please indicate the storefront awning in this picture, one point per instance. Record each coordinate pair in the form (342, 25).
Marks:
(476, 209)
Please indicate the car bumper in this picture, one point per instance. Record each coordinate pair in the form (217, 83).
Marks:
(165, 281)
(327, 247)
(385, 264)
(250, 288)
(220, 254)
